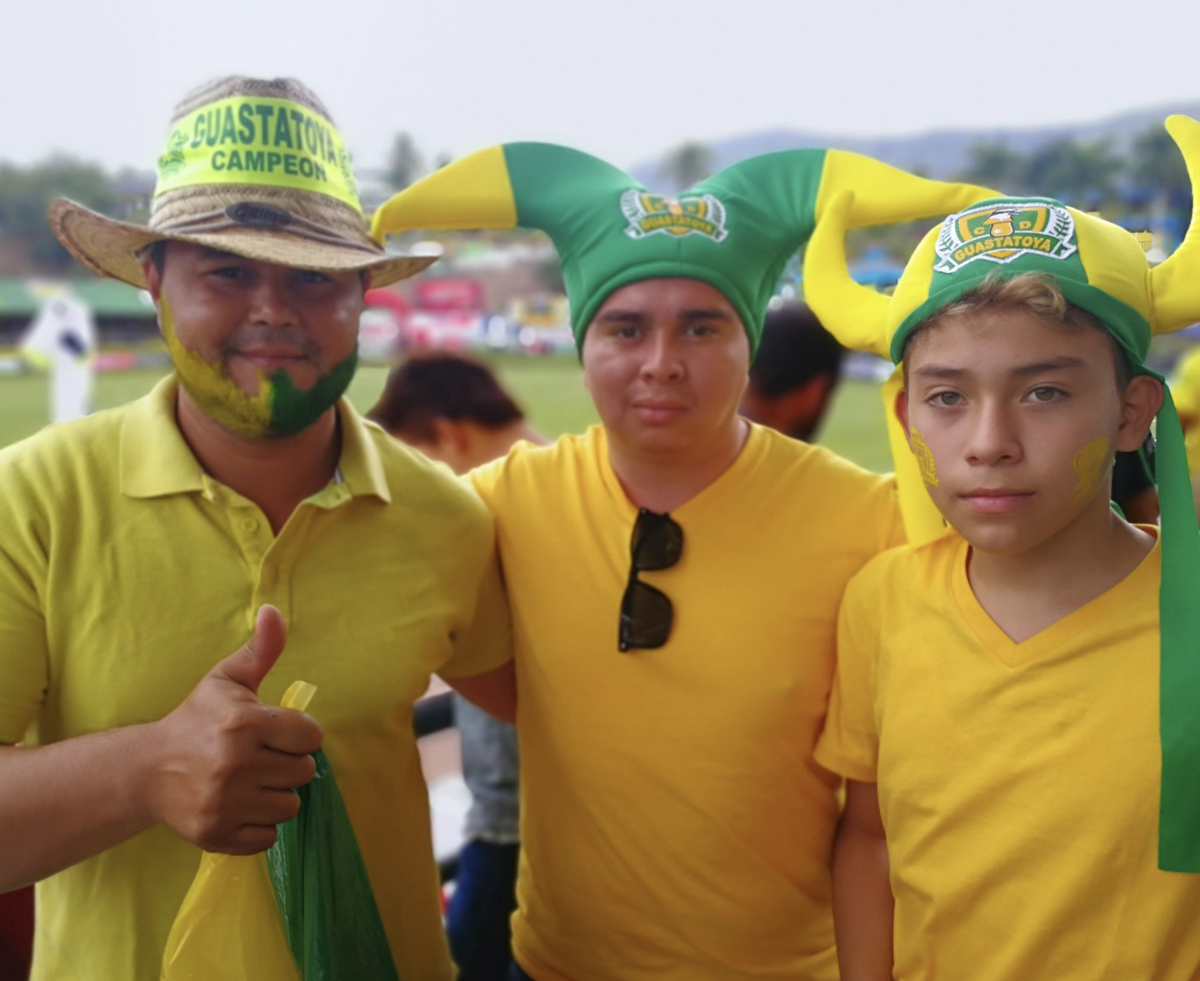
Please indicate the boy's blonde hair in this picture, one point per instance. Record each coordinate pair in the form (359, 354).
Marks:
(1035, 292)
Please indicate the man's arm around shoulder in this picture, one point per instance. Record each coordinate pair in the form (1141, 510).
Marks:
(493, 691)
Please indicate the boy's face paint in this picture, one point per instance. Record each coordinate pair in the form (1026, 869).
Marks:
(251, 341)
(924, 456)
(1005, 401)
(1090, 466)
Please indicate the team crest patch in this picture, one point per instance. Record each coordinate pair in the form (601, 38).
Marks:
(1001, 233)
(649, 214)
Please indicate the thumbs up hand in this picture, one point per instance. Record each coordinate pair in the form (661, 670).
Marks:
(225, 764)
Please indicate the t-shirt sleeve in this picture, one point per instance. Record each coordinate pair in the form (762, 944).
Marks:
(486, 643)
(24, 649)
(849, 743)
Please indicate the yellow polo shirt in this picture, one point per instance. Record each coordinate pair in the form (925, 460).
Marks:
(674, 824)
(126, 573)
(1018, 783)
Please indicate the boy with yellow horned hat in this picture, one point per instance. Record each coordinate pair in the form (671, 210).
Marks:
(142, 546)
(1014, 705)
(675, 650)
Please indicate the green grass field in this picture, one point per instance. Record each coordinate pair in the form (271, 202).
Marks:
(550, 389)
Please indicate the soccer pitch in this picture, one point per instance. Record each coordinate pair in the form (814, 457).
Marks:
(550, 389)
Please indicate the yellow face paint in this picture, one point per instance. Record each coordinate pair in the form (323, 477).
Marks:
(278, 409)
(214, 391)
(1089, 468)
(924, 457)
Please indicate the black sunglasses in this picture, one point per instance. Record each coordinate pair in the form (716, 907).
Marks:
(646, 613)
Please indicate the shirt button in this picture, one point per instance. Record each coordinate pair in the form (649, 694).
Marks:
(249, 524)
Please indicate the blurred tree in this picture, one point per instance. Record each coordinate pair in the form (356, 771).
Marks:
(995, 165)
(404, 165)
(25, 196)
(1081, 174)
(688, 164)
(1156, 165)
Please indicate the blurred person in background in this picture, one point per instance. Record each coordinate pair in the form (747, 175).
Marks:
(452, 408)
(794, 374)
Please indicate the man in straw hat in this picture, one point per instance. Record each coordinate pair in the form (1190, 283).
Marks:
(142, 546)
(675, 649)
(1015, 703)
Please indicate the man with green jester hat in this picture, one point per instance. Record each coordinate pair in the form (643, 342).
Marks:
(143, 545)
(673, 648)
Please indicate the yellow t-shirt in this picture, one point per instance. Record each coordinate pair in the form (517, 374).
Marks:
(1018, 783)
(674, 825)
(126, 573)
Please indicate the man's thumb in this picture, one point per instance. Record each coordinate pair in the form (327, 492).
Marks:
(248, 665)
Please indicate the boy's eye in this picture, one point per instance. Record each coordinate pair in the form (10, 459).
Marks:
(312, 277)
(227, 272)
(945, 398)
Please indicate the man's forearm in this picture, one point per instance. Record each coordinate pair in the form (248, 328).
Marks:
(862, 905)
(67, 801)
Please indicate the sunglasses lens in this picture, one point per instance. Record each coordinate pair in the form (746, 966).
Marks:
(657, 542)
(646, 617)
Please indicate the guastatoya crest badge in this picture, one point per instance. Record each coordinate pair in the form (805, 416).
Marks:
(1002, 233)
(649, 214)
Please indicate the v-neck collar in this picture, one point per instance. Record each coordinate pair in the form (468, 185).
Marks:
(1017, 655)
(705, 499)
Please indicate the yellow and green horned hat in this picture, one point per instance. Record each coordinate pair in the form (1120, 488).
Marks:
(1102, 269)
(734, 231)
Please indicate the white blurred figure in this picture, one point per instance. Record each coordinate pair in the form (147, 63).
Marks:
(63, 340)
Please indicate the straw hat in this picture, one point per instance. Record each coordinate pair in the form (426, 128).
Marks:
(254, 167)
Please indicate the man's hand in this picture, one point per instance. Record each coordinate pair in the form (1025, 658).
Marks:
(225, 764)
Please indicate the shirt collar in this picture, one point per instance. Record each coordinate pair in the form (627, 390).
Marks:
(155, 460)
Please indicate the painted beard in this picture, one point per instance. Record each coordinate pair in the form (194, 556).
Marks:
(279, 409)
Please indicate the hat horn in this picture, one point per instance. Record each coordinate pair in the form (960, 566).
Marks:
(856, 315)
(534, 185)
(472, 192)
(1175, 284)
(884, 194)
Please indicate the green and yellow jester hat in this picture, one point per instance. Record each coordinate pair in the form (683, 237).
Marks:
(734, 231)
(1102, 269)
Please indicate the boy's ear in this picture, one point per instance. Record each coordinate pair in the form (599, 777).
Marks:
(901, 410)
(1142, 399)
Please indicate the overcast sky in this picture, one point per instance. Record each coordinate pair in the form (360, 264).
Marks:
(623, 79)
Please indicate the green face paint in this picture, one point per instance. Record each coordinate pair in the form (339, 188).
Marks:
(279, 409)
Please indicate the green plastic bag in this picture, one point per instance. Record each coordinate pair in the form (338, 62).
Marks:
(329, 914)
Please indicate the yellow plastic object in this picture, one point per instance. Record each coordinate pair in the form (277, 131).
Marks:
(229, 925)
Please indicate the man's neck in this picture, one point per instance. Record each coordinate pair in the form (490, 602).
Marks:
(664, 481)
(276, 474)
(1028, 592)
